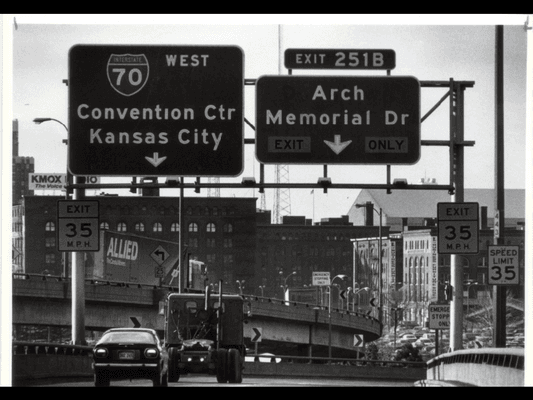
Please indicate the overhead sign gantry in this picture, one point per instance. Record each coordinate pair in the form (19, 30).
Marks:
(156, 110)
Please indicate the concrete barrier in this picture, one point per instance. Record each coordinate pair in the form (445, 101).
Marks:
(47, 360)
(476, 367)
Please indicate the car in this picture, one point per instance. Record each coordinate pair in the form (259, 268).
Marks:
(263, 357)
(421, 342)
(409, 337)
(130, 353)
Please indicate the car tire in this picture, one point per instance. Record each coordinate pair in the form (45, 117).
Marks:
(222, 365)
(234, 366)
(101, 379)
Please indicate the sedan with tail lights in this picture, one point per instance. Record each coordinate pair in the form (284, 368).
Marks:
(130, 353)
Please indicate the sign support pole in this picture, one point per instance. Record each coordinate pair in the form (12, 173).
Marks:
(78, 284)
(180, 240)
(499, 291)
(457, 160)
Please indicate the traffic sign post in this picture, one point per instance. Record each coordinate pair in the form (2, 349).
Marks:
(504, 265)
(439, 316)
(458, 228)
(78, 225)
(321, 278)
(156, 110)
(337, 119)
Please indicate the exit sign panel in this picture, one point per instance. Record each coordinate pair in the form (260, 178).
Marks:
(156, 110)
(337, 120)
(377, 59)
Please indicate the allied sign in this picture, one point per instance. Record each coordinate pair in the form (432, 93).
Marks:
(340, 59)
(321, 278)
(504, 265)
(337, 119)
(45, 181)
(439, 316)
(78, 225)
(138, 110)
(458, 228)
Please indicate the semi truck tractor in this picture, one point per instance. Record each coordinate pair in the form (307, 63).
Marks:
(204, 334)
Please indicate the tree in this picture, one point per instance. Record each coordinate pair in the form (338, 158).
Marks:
(407, 353)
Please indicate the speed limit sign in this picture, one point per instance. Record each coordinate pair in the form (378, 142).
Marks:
(504, 265)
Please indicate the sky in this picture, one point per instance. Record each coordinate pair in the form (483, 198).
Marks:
(438, 50)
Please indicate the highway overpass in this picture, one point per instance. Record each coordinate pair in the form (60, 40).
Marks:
(46, 301)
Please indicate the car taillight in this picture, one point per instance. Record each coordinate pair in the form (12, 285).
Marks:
(101, 352)
(151, 353)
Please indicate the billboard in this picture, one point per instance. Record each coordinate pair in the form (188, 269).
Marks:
(125, 257)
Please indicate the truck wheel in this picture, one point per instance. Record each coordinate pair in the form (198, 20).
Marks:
(222, 365)
(234, 366)
(173, 371)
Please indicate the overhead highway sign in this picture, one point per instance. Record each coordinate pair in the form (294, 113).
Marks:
(137, 110)
(377, 59)
(337, 119)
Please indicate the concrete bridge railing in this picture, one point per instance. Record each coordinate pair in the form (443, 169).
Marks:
(476, 367)
(36, 360)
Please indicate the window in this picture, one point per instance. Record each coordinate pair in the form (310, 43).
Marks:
(193, 242)
(228, 228)
(228, 242)
(228, 259)
(139, 227)
(211, 243)
(50, 227)
(50, 241)
(50, 258)
(193, 227)
(104, 225)
(211, 227)
(175, 227)
(210, 258)
(157, 227)
(121, 227)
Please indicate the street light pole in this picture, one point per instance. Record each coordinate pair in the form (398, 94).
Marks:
(357, 293)
(380, 259)
(39, 121)
(285, 287)
(329, 312)
(78, 270)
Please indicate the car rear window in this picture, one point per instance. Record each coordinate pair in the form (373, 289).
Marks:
(128, 337)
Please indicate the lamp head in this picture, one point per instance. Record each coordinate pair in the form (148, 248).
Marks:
(40, 120)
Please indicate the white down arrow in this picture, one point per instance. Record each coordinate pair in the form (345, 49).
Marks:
(337, 146)
(155, 160)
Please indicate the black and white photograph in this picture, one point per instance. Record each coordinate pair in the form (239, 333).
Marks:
(266, 200)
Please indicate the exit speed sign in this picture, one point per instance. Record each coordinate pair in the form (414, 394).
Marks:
(78, 225)
(458, 226)
(504, 265)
